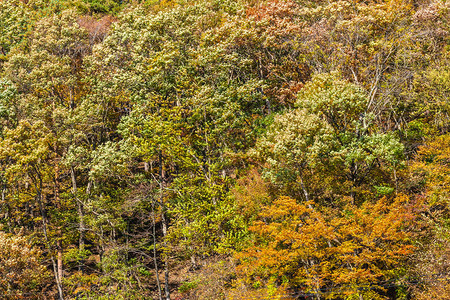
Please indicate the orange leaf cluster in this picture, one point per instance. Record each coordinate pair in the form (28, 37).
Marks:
(314, 249)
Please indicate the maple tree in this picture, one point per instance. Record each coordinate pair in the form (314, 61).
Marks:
(330, 253)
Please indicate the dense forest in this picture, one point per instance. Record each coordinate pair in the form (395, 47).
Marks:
(219, 149)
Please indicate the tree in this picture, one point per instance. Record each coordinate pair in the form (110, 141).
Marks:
(330, 137)
(428, 106)
(26, 149)
(22, 273)
(46, 76)
(330, 253)
(430, 177)
(15, 22)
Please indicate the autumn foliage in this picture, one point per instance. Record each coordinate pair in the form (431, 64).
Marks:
(22, 273)
(215, 149)
(328, 252)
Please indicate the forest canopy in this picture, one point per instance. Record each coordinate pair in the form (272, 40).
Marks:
(208, 149)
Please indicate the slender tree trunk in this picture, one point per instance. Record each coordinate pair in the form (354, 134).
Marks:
(155, 260)
(305, 191)
(38, 186)
(80, 211)
(155, 256)
(166, 262)
(164, 224)
(60, 257)
(59, 246)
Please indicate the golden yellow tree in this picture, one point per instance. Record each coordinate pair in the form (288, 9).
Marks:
(431, 169)
(21, 271)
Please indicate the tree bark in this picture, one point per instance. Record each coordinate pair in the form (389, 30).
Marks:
(164, 223)
(155, 260)
(38, 187)
(59, 247)
(80, 211)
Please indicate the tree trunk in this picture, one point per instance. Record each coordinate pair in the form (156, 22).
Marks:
(60, 257)
(164, 224)
(155, 260)
(305, 191)
(80, 211)
(38, 187)
(166, 260)
(59, 247)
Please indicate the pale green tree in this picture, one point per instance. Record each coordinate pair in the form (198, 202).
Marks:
(329, 145)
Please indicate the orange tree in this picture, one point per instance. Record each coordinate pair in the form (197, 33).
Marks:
(21, 271)
(351, 252)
